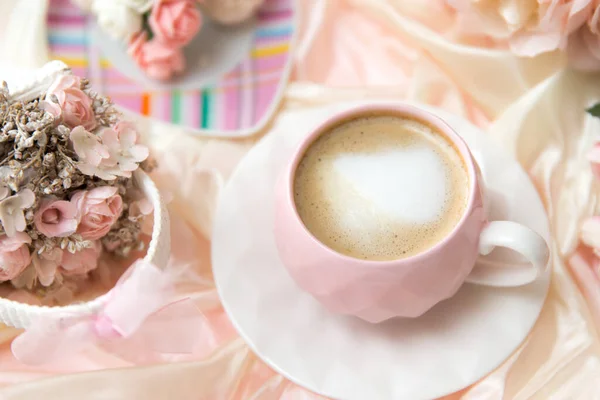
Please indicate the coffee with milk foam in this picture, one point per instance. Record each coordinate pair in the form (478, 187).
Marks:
(381, 188)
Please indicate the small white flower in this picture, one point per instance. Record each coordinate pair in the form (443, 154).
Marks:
(117, 19)
(94, 157)
(105, 173)
(112, 152)
(88, 146)
(12, 209)
(121, 142)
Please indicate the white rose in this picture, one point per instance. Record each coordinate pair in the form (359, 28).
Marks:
(117, 19)
(140, 6)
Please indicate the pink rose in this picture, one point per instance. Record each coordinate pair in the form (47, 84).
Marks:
(76, 106)
(175, 22)
(14, 255)
(136, 47)
(159, 61)
(81, 262)
(97, 211)
(56, 218)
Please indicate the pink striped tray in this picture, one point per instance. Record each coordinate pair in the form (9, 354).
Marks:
(240, 103)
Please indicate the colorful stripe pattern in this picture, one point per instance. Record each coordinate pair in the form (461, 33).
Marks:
(238, 104)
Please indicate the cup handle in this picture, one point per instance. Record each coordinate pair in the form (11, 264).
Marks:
(515, 237)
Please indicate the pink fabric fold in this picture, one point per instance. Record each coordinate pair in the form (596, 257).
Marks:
(138, 321)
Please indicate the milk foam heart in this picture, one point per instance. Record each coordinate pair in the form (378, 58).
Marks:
(408, 185)
(381, 188)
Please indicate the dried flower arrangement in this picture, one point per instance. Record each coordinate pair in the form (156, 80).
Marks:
(156, 31)
(66, 188)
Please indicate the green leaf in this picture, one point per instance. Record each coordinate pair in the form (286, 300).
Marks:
(146, 25)
(594, 110)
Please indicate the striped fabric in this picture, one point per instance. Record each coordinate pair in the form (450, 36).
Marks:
(240, 103)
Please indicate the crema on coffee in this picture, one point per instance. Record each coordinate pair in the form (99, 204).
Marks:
(381, 187)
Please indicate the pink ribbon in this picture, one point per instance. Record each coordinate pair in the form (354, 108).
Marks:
(137, 322)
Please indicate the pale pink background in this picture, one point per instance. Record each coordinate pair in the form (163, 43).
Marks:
(356, 49)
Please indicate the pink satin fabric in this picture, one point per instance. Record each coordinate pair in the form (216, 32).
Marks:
(351, 49)
(131, 324)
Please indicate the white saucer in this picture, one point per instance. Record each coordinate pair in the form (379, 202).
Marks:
(452, 346)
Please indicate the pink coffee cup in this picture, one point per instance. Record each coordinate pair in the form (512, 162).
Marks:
(408, 287)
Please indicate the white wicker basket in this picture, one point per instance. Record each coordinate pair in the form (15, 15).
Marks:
(20, 315)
